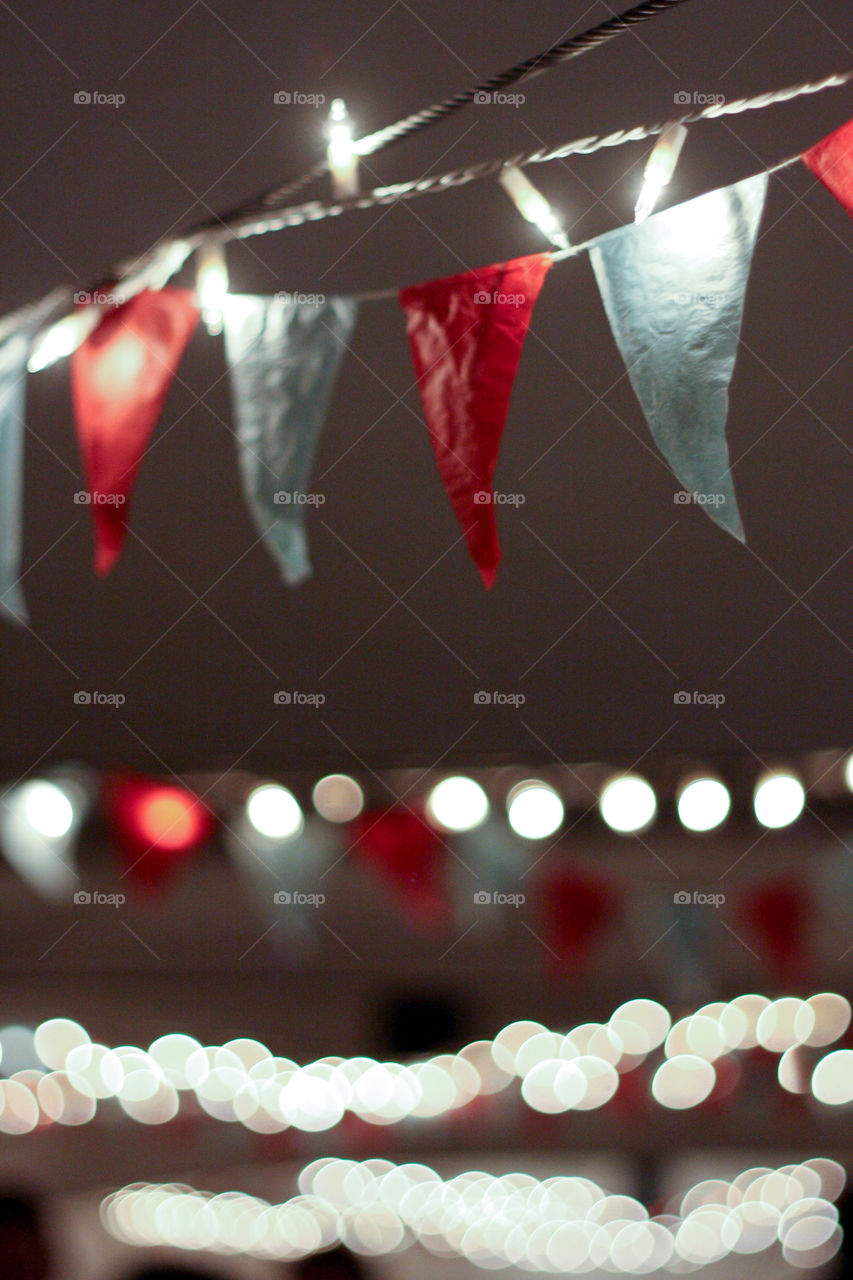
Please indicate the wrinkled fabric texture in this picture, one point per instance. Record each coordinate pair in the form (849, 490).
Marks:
(831, 160)
(120, 377)
(673, 288)
(13, 388)
(283, 361)
(466, 333)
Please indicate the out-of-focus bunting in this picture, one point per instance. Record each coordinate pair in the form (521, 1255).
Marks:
(14, 352)
(779, 915)
(410, 856)
(673, 288)
(577, 908)
(831, 160)
(120, 377)
(466, 333)
(283, 360)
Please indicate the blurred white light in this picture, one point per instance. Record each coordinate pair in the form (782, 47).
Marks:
(628, 804)
(703, 804)
(47, 808)
(832, 1081)
(779, 800)
(848, 773)
(274, 812)
(534, 810)
(338, 798)
(683, 1081)
(458, 804)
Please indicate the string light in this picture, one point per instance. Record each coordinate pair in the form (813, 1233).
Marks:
(63, 338)
(532, 205)
(779, 800)
(659, 169)
(627, 804)
(274, 812)
(558, 1224)
(341, 153)
(703, 804)
(212, 283)
(458, 804)
(534, 810)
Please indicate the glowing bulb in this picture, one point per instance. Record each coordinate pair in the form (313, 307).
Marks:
(660, 167)
(532, 205)
(848, 773)
(212, 284)
(534, 810)
(703, 804)
(63, 338)
(779, 800)
(628, 804)
(47, 808)
(274, 812)
(341, 152)
(338, 798)
(458, 804)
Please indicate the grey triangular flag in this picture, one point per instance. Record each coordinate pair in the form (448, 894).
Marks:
(673, 288)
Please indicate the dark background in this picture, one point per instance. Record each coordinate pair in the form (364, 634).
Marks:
(685, 605)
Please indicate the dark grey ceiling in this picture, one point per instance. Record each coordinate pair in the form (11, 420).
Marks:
(610, 597)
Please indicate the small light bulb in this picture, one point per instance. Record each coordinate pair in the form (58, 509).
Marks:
(341, 152)
(63, 338)
(660, 167)
(212, 284)
(532, 205)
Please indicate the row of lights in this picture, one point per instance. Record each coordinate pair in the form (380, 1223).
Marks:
(564, 1225)
(580, 1071)
(627, 804)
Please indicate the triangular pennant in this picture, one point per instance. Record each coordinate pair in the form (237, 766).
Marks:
(779, 913)
(831, 160)
(120, 377)
(466, 333)
(577, 907)
(673, 288)
(410, 856)
(13, 383)
(283, 360)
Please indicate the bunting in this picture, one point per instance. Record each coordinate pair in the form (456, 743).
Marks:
(673, 288)
(283, 361)
(410, 857)
(466, 333)
(13, 381)
(120, 377)
(831, 160)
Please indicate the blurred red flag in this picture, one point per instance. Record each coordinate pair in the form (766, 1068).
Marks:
(778, 913)
(466, 333)
(120, 377)
(831, 160)
(409, 855)
(577, 907)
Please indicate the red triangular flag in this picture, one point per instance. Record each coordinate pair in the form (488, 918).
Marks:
(410, 855)
(577, 907)
(120, 377)
(832, 162)
(466, 333)
(779, 914)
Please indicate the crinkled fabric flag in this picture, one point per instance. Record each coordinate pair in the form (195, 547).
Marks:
(13, 388)
(831, 160)
(673, 288)
(283, 361)
(120, 377)
(466, 333)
